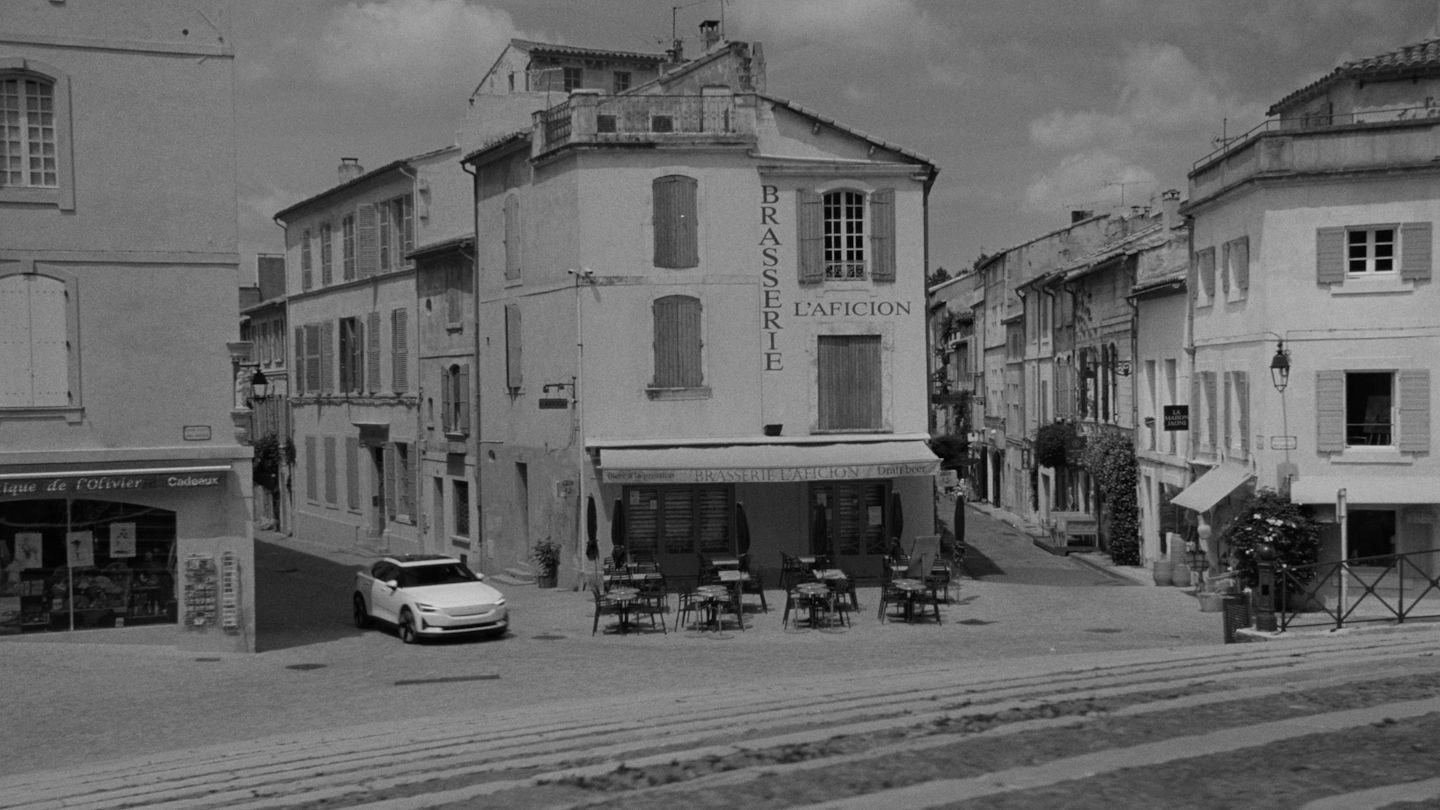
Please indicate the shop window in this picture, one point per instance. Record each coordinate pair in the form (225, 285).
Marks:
(678, 522)
(75, 565)
(35, 156)
(850, 519)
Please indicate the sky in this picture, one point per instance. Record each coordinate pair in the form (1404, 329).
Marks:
(1029, 108)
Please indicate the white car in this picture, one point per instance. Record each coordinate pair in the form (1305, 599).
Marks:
(428, 595)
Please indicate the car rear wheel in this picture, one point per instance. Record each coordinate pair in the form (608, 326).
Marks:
(406, 627)
(360, 614)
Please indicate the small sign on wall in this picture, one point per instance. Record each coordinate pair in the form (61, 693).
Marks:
(1177, 417)
(196, 433)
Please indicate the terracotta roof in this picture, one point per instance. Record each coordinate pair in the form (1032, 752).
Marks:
(570, 50)
(1419, 59)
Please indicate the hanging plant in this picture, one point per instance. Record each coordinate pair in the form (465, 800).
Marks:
(1110, 459)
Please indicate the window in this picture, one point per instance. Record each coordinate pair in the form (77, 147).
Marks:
(675, 218)
(347, 247)
(461, 516)
(512, 238)
(1365, 254)
(573, 78)
(1235, 277)
(352, 345)
(455, 400)
(306, 278)
(315, 358)
(402, 506)
(842, 518)
(849, 368)
(399, 351)
(352, 473)
(839, 241)
(678, 342)
(513, 376)
(312, 470)
(38, 340)
(397, 232)
(1237, 413)
(1204, 423)
(1369, 408)
(679, 521)
(330, 470)
(622, 81)
(326, 254)
(35, 164)
(1370, 250)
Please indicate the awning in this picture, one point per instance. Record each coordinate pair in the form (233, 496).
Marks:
(766, 463)
(1208, 489)
(1366, 489)
(64, 483)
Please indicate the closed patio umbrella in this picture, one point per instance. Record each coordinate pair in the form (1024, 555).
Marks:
(617, 531)
(958, 523)
(897, 517)
(742, 531)
(819, 532)
(592, 546)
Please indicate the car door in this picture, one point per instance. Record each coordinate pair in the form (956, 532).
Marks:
(385, 600)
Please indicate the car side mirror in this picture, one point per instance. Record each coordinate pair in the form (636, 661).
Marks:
(392, 583)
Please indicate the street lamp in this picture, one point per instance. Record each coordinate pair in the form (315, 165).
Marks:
(1280, 367)
(259, 386)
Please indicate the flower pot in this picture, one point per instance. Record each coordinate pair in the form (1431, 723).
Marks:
(1163, 571)
(545, 581)
(1212, 602)
(1180, 575)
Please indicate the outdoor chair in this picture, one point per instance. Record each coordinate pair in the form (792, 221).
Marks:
(604, 606)
(654, 599)
(939, 579)
(687, 603)
(842, 597)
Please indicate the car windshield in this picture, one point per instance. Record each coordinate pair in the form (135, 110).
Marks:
(438, 574)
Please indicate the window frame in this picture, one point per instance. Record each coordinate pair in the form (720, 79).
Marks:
(845, 237)
(352, 356)
(327, 254)
(678, 342)
(1371, 246)
(62, 195)
(347, 247)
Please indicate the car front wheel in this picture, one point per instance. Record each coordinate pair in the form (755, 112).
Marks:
(360, 614)
(406, 627)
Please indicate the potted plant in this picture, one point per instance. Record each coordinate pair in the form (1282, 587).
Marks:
(546, 556)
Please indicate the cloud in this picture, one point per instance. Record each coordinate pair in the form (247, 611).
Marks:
(872, 25)
(409, 49)
(1093, 179)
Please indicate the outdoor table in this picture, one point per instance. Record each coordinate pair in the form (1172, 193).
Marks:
(713, 596)
(911, 587)
(725, 562)
(815, 593)
(835, 575)
(624, 596)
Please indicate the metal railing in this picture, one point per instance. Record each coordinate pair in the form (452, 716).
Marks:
(1382, 588)
(642, 117)
(1316, 121)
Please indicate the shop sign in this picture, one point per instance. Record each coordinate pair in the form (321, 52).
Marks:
(1177, 417)
(769, 475)
(59, 486)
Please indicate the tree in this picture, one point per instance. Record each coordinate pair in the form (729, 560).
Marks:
(940, 275)
(1266, 517)
(1110, 459)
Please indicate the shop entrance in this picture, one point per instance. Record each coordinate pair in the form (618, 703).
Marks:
(675, 524)
(80, 564)
(851, 522)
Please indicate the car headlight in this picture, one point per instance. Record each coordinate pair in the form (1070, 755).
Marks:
(500, 602)
(425, 607)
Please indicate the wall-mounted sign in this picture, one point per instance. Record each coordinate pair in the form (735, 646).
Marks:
(196, 433)
(1282, 442)
(553, 403)
(52, 486)
(1177, 417)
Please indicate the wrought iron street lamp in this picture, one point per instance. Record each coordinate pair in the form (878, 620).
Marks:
(259, 386)
(1280, 367)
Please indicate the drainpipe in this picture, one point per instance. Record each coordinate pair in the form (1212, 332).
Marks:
(476, 426)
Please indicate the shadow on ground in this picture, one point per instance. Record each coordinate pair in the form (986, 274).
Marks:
(300, 599)
(978, 566)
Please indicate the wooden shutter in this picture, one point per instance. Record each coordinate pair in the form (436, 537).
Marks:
(407, 225)
(314, 365)
(1208, 379)
(299, 360)
(399, 350)
(1205, 268)
(462, 400)
(675, 221)
(1195, 404)
(1415, 250)
(352, 472)
(512, 237)
(848, 372)
(1329, 411)
(1229, 392)
(327, 254)
(513, 376)
(677, 342)
(372, 352)
(391, 471)
(1225, 267)
(312, 470)
(327, 357)
(1414, 387)
(810, 225)
(330, 470)
(367, 240)
(1330, 257)
(1242, 401)
(447, 387)
(1241, 259)
(49, 342)
(882, 235)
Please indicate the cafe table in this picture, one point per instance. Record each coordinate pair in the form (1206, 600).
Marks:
(714, 598)
(624, 596)
(911, 588)
(815, 595)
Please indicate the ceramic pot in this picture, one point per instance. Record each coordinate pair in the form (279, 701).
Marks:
(1180, 575)
(1163, 571)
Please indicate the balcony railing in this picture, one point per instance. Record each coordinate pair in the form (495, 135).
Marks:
(1318, 143)
(591, 118)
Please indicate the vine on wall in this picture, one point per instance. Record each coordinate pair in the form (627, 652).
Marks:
(1110, 459)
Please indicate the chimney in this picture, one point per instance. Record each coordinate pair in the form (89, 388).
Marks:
(1170, 208)
(350, 169)
(710, 33)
